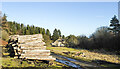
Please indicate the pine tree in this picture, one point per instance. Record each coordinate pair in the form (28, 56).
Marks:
(59, 33)
(4, 23)
(40, 30)
(33, 29)
(24, 31)
(36, 30)
(48, 33)
(18, 26)
(55, 35)
(14, 28)
(28, 30)
(43, 31)
(28, 27)
(10, 23)
(115, 25)
(63, 36)
(22, 26)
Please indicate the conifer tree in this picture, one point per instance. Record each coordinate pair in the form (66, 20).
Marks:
(10, 23)
(48, 32)
(24, 31)
(21, 26)
(59, 33)
(33, 29)
(18, 26)
(28, 30)
(43, 31)
(36, 30)
(63, 36)
(28, 27)
(4, 23)
(40, 30)
(115, 25)
(14, 28)
(55, 35)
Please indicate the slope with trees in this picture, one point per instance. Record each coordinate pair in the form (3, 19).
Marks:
(102, 38)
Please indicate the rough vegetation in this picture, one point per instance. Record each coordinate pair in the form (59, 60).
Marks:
(86, 55)
(98, 46)
(102, 38)
(14, 63)
(4, 35)
(17, 63)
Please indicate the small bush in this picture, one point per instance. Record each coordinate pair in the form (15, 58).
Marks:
(5, 35)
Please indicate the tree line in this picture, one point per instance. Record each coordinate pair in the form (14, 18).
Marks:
(107, 38)
(14, 28)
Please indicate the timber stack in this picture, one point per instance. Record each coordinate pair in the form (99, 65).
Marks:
(29, 47)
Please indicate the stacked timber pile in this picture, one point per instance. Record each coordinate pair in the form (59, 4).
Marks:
(30, 47)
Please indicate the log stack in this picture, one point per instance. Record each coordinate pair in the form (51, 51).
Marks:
(30, 47)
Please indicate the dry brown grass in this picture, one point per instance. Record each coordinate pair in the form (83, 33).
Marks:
(86, 54)
(101, 56)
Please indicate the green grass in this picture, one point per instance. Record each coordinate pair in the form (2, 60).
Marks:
(13, 62)
(9, 62)
(108, 65)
